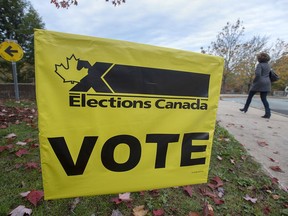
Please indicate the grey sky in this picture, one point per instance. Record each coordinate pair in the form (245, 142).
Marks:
(181, 24)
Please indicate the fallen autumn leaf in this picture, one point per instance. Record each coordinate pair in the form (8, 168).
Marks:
(248, 198)
(35, 196)
(158, 212)
(21, 143)
(276, 169)
(125, 197)
(140, 211)
(20, 211)
(11, 136)
(21, 152)
(217, 182)
(188, 189)
(116, 213)
(262, 143)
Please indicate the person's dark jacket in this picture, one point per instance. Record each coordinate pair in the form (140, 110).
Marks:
(261, 82)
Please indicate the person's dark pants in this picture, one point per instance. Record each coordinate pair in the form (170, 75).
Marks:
(263, 96)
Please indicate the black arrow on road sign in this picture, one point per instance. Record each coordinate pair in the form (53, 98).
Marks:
(10, 52)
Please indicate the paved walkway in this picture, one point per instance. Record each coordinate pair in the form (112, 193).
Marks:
(265, 140)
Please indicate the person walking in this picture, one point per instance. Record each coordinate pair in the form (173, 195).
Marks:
(261, 83)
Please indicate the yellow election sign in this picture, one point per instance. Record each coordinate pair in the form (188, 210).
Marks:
(116, 116)
(11, 51)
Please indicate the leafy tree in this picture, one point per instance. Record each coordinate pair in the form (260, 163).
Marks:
(245, 70)
(277, 50)
(228, 45)
(279, 62)
(281, 68)
(17, 22)
(240, 57)
(67, 3)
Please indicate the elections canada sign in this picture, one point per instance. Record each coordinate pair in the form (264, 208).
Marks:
(116, 116)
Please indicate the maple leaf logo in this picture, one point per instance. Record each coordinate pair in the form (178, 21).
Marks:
(69, 72)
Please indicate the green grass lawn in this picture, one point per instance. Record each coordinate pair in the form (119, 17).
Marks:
(230, 164)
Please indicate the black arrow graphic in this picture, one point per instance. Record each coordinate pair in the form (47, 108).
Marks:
(10, 52)
(142, 80)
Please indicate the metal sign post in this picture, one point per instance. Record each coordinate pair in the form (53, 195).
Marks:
(11, 51)
(16, 89)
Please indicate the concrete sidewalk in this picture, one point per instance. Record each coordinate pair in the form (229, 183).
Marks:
(265, 140)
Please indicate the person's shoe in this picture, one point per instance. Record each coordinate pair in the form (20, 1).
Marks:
(266, 116)
(243, 110)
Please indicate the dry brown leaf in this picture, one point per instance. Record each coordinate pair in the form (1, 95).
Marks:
(217, 182)
(188, 189)
(21, 143)
(35, 196)
(274, 180)
(275, 197)
(248, 198)
(262, 143)
(125, 197)
(208, 210)
(219, 158)
(116, 213)
(20, 210)
(11, 136)
(139, 211)
(218, 201)
(276, 169)
(24, 194)
(74, 204)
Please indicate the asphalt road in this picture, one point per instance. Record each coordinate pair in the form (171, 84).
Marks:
(279, 105)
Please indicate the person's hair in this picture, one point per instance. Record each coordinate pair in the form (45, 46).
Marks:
(263, 57)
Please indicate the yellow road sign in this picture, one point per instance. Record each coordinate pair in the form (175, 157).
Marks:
(11, 51)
